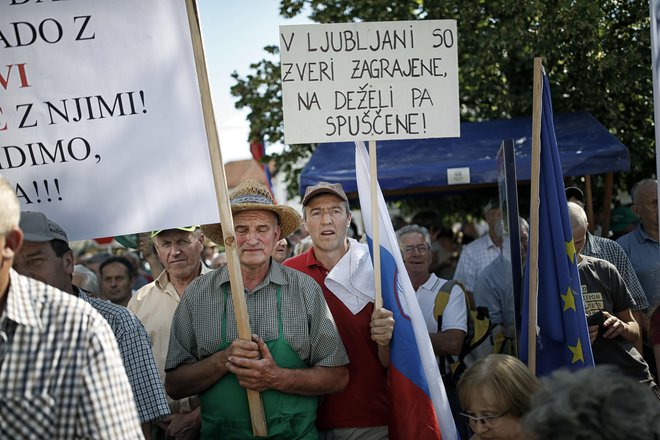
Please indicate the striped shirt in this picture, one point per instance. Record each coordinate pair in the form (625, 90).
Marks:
(61, 375)
(612, 251)
(135, 350)
(308, 325)
(474, 258)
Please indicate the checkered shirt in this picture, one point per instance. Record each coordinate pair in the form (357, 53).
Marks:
(474, 258)
(307, 322)
(135, 349)
(612, 251)
(61, 375)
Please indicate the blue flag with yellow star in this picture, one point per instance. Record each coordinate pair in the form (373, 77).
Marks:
(563, 336)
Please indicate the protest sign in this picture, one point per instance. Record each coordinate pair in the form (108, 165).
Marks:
(101, 124)
(369, 81)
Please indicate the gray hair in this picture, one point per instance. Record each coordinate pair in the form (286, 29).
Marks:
(634, 192)
(89, 282)
(598, 402)
(412, 229)
(10, 213)
(577, 215)
(499, 228)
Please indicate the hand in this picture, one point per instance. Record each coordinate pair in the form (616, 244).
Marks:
(613, 326)
(382, 326)
(144, 244)
(241, 348)
(258, 373)
(183, 426)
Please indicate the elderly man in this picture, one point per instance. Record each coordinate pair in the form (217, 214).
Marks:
(179, 250)
(604, 292)
(601, 247)
(61, 376)
(447, 341)
(343, 269)
(641, 245)
(415, 244)
(481, 252)
(46, 256)
(294, 356)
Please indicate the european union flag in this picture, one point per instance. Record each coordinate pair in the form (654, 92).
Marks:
(563, 336)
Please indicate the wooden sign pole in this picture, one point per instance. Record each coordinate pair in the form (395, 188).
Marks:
(257, 416)
(375, 223)
(534, 216)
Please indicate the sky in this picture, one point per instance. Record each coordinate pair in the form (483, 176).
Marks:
(235, 33)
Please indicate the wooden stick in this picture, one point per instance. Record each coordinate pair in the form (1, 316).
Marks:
(589, 203)
(534, 217)
(375, 223)
(257, 415)
(607, 205)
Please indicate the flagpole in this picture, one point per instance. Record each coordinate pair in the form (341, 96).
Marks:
(257, 416)
(375, 238)
(534, 216)
(654, 6)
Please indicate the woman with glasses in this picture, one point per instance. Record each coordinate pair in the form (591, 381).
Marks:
(495, 393)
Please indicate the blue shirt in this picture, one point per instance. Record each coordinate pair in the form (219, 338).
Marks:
(494, 289)
(644, 254)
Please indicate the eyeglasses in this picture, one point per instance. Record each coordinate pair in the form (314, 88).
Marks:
(484, 420)
(421, 249)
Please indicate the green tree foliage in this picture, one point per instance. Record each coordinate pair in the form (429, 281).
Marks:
(596, 53)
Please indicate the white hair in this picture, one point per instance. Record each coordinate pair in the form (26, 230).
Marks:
(10, 213)
(577, 215)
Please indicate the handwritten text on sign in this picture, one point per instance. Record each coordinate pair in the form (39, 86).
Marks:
(101, 125)
(369, 81)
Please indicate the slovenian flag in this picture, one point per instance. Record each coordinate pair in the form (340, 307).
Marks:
(419, 408)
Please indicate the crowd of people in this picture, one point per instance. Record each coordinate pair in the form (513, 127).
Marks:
(145, 344)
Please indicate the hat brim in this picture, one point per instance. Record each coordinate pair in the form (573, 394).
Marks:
(290, 220)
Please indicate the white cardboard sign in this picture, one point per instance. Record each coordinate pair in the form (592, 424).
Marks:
(370, 81)
(101, 124)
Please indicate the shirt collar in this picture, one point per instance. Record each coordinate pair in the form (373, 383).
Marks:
(20, 306)
(428, 284)
(643, 236)
(163, 280)
(275, 275)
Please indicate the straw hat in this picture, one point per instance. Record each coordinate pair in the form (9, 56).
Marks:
(250, 195)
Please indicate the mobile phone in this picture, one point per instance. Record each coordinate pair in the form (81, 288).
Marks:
(596, 319)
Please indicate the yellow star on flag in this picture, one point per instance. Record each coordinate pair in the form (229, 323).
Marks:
(570, 251)
(569, 299)
(577, 352)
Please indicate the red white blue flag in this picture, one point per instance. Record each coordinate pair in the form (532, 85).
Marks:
(419, 408)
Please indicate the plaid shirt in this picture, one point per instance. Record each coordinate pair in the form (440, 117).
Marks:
(308, 324)
(612, 251)
(61, 375)
(139, 363)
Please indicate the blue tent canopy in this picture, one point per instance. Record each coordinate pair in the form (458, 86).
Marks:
(420, 165)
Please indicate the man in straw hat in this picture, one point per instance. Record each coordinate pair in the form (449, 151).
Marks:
(294, 356)
(343, 269)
